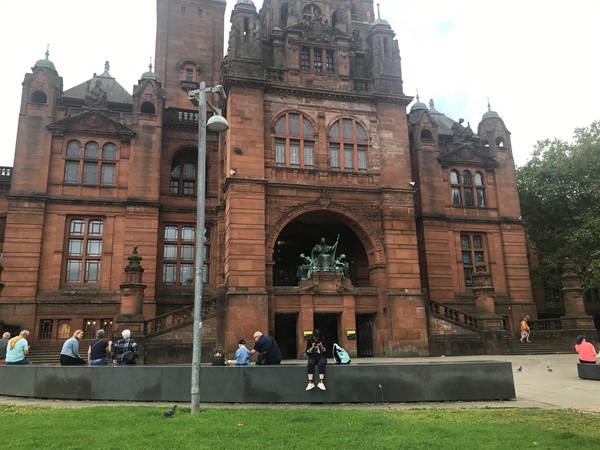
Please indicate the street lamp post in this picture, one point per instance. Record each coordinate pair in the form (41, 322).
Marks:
(215, 123)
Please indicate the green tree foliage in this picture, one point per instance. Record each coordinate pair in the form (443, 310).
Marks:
(559, 190)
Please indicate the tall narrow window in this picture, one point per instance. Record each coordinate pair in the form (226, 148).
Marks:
(179, 255)
(479, 190)
(348, 144)
(473, 252)
(455, 187)
(305, 59)
(294, 141)
(318, 60)
(330, 63)
(84, 251)
(183, 173)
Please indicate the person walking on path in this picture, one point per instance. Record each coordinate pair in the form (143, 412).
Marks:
(69, 355)
(99, 349)
(267, 348)
(525, 329)
(316, 352)
(18, 349)
(587, 352)
(4, 346)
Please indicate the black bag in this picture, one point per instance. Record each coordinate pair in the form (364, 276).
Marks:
(218, 358)
(128, 357)
(262, 359)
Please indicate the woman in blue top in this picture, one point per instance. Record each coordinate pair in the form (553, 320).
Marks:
(69, 355)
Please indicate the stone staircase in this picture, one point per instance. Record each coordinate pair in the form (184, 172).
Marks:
(44, 354)
(538, 347)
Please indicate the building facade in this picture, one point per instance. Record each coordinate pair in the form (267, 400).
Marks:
(418, 214)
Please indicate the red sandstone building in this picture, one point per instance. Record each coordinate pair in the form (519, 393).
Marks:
(320, 145)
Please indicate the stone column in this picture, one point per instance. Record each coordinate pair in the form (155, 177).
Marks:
(575, 316)
(483, 289)
(132, 297)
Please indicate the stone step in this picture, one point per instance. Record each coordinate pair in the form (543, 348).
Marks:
(539, 347)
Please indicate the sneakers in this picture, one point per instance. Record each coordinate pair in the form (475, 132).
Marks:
(310, 386)
(321, 386)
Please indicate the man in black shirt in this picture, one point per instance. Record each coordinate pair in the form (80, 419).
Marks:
(267, 348)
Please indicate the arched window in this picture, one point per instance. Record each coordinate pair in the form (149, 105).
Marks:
(183, 173)
(348, 144)
(455, 188)
(148, 108)
(479, 190)
(467, 190)
(294, 141)
(39, 97)
(499, 142)
(96, 167)
(334, 18)
(426, 135)
(311, 12)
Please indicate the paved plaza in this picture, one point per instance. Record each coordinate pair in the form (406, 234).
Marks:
(535, 385)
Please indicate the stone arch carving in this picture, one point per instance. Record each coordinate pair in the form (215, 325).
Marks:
(368, 236)
(275, 118)
(192, 62)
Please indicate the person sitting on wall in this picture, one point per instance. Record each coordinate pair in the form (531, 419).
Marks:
(242, 355)
(267, 348)
(316, 352)
(4, 346)
(99, 349)
(587, 352)
(125, 351)
(69, 355)
(18, 349)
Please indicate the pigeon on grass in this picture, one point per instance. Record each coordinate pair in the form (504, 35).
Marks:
(169, 412)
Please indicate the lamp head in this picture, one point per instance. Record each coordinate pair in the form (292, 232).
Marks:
(193, 99)
(217, 123)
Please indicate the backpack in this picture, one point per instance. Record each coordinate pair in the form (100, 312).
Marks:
(340, 355)
(218, 357)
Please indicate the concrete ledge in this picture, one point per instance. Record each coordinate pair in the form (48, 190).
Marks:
(588, 371)
(364, 383)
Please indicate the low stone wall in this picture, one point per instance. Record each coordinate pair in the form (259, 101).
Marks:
(359, 383)
(588, 371)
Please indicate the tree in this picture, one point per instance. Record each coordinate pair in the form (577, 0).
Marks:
(559, 190)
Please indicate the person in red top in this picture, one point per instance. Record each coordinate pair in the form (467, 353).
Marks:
(587, 352)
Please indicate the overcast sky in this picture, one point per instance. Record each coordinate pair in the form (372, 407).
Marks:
(536, 60)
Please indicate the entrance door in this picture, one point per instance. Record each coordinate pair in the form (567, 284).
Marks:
(285, 334)
(328, 324)
(364, 334)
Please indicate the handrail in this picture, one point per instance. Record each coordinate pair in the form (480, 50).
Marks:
(179, 318)
(452, 315)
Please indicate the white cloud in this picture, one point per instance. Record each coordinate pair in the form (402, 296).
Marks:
(535, 60)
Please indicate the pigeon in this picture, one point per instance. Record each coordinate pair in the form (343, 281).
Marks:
(169, 412)
(520, 369)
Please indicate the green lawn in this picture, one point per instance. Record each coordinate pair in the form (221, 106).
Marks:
(307, 428)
